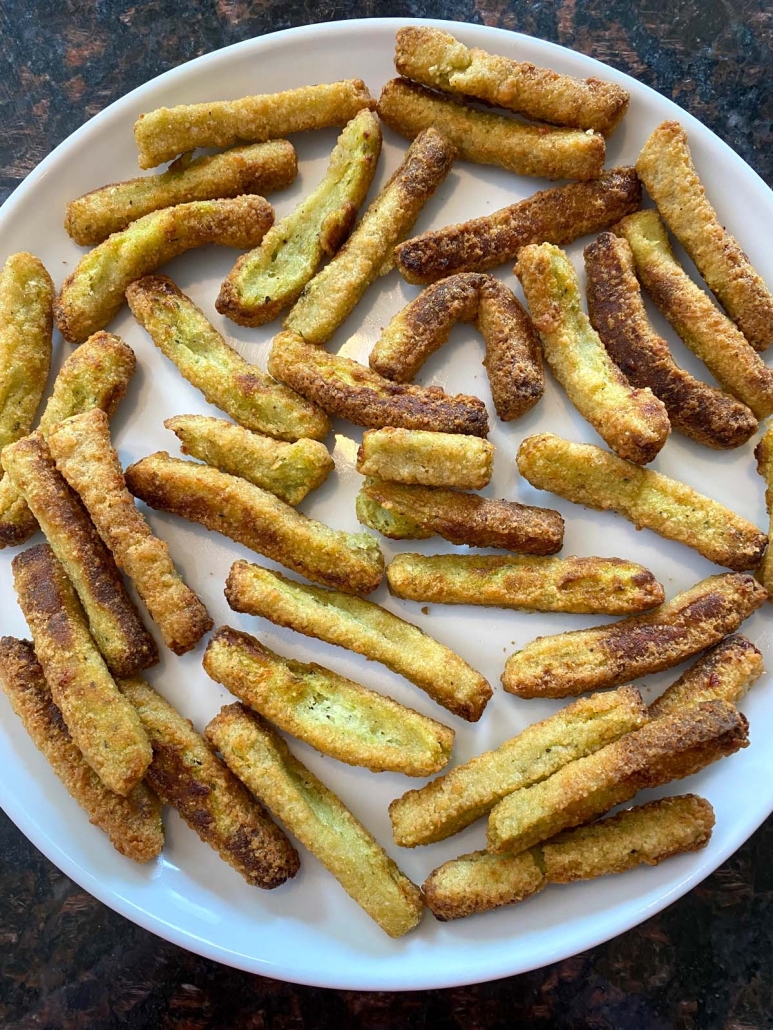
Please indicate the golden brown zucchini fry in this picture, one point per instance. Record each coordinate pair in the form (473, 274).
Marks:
(558, 215)
(272, 277)
(725, 673)
(763, 452)
(95, 291)
(350, 390)
(85, 456)
(320, 821)
(567, 664)
(702, 412)
(459, 797)
(183, 334)
(588, 475)
(416, 456)
(261, 168)
(168, 131)
(363, 627)
(187, 774)
(256, 518)
(335, 715)
(334, 292)
(480, 881)
(133, 823)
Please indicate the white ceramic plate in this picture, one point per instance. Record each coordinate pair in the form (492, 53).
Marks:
(309, 931)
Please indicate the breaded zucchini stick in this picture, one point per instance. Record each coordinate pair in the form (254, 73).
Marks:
(435, 58)
(633, 422)
(666, 168)
(469, 518)
(333, 293)
(168, 131)
(85, 456)
(133, 823)
(459, 797)
(94, 292)
(567, 664)
(289, 470)
(591, 476)
(188, 775)
(347, 389)
(416, 456)
(363, 627)
(705, 414)
(256, 518)
(513, 357)
(261, 168)
(480, 881)
(183, 334)
(113, 619)
(335, 715)
(763, 452)
(320, 821)
(703, 328)
(492, 139)
(725, 673)
(102, 723)
(557, 215)
(273, 276)
(582, 586)
(664, 749)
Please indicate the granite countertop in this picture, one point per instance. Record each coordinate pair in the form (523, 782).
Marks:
(66, 960)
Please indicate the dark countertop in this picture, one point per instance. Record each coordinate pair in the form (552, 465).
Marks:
(66, 961)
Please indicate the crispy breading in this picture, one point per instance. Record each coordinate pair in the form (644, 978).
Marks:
(492, 139)
(188, 775)
(664, 749)
(133, 823)
(95, 291)
(113, 619)
(633, 422)
(763, 452)
(567, 664)
(334, 292)
(480, 881)
(273, 276)
(702, 412)
(557, 215)
(85, 456)
(319, 819)
(584, 586)
(666, 168)
(256, 518)
(725, 673)
(166, 132)
(183, 334)
(363, 627)
(703, 328)
(102, 723)
(353, 391)
(589, 475)
(513, 357)
(435, 58)
(289, 470)
(430, 459)
(335, 715)
(470, 519)
(261, 168)
(459, 797)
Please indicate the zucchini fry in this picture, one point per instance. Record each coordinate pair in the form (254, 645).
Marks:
(95, 291)
(320, 821)
(591, 476)
(256, 518)
(182, 333)
(187, 774)
(725, 673)
(568, 664)
(763, 452)
(363, 627)
(480, 881)
(272, 277)
(416, 456)
(633, 422)
(336, 716)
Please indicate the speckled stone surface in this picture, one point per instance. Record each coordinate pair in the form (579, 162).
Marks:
(68, 962)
